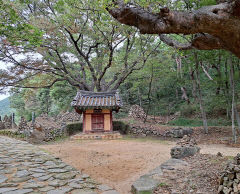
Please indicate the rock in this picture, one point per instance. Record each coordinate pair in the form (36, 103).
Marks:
(36, 137)
(144, 185)
(8, 185)
(22, 179)
(173, 163)
(110, 192)
(104, 188)
(38, 170)
(178, 132)
(20, 191)
(62, 190)
(137, 112)
(179, 152)
(81, 191)
(6, 189)
(75, 185)
(44, 178)
(57, 183)
(32, 185)
(220, 189)
(22, 173)
(219, 154)
(57, 170)
(64, 176)
(47, 188)
(3, 178)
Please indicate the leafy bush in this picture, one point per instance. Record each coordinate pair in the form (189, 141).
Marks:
(121, 127)
(188, 110)
(73, 128)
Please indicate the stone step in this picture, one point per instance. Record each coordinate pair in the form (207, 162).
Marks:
(84, 136)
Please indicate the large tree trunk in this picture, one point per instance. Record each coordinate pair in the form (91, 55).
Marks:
(215, 26)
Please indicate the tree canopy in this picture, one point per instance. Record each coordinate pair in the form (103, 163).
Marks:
(62, 41)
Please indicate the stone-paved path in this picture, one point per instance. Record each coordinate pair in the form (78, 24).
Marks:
(24, 168)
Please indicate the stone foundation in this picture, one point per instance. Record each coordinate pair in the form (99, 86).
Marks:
(106, 135)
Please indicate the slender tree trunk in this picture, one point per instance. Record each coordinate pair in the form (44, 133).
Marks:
(233, 101)
(226, 91)
(193, 84)
(149, 95)
(139, 97)
(203, 113)
(238, 119)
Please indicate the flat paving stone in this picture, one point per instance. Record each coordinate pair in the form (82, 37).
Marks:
(36, 175)
(37, 170)
(57, 170)
(81, 191)
(104, 188)
(111, 192)
(22, 173)
(62, 190)
(3, 178)
(18, 180)
(20, 191)
(32, 185)
(8, 185)
(6, 189)
(44, 178)
(65, 176)
(47, 188)
(24, 168)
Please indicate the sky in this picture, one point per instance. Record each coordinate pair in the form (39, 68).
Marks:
(2, 96)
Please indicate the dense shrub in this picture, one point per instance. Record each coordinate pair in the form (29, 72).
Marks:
(73, 128)
(121, 127)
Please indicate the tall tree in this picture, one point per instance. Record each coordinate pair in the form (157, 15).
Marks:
(84, 47)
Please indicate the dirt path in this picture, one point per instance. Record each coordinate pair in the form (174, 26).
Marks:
(215, 148)
(116, 163)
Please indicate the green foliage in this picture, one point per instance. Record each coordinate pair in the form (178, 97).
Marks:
(5, 108)
(73, 128)
(13, 134)
(198, 122)
(121, 126)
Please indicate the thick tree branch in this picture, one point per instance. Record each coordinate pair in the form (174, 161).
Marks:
(220, 24)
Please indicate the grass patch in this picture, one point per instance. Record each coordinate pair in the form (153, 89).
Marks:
(198, 122)
(163, 184)
(12, 134)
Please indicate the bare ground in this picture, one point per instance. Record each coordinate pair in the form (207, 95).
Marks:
(201, 175)
(117, 163)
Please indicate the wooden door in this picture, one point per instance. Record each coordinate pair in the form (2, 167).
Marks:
(97, 122)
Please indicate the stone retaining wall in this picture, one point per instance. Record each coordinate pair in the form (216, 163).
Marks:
(230, 179)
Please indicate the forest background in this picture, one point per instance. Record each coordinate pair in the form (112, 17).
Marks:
(54, 48)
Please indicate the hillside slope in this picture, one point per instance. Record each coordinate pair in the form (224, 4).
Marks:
(5, 107)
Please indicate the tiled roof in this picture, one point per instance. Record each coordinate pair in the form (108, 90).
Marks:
(88, 99)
